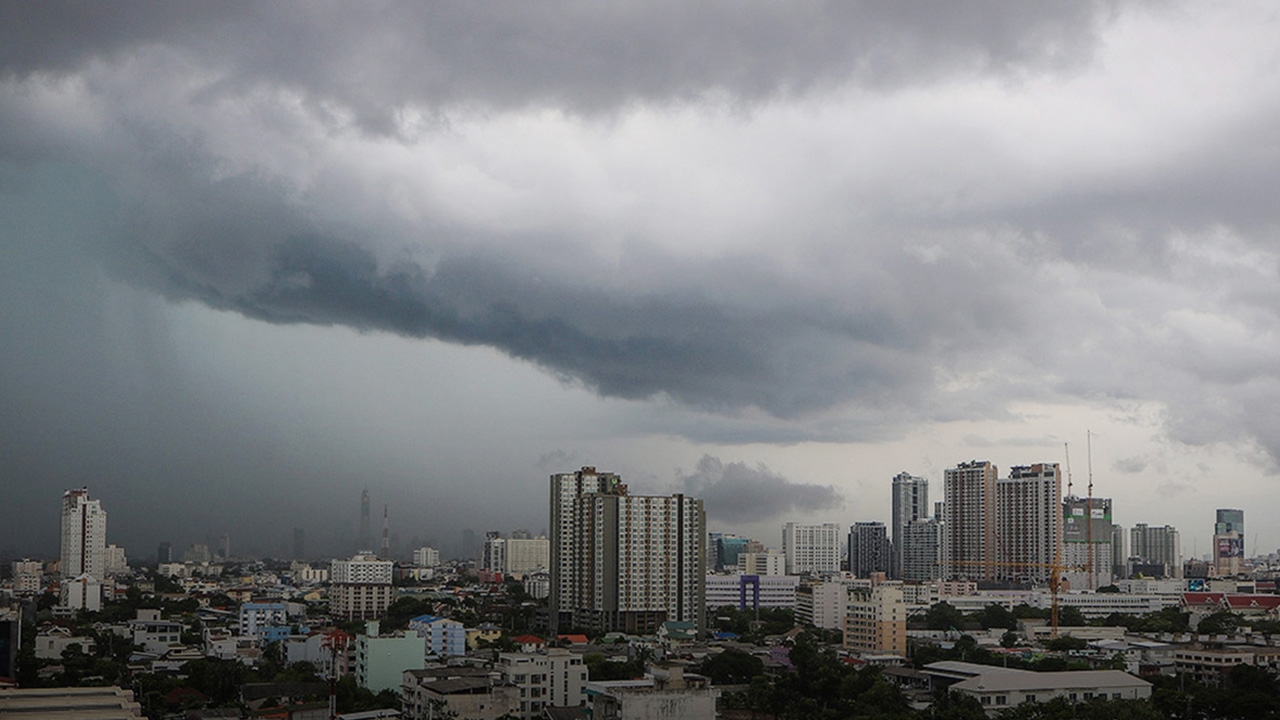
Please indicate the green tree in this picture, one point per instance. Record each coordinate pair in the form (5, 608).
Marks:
(943, 616)
(996, 616)
(731, 667)
(1219, 623)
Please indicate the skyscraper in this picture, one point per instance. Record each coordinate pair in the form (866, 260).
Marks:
(1119, 551)
(969, 491)
(84, 535)
(812, 549)
(1156, 546)
(923, 559)
(1028, 523)
(910, 503)
(869, 549)
(1228, 542)
(624, 562)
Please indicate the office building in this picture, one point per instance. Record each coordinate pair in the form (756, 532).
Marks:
(361, 587)
(910, 503)
(1228, 543)
(1156, 546)
(752, 592)
(969, 521)
(922, 557)
(762, 563)
(823, 604)
(870, 551)
(624, 562)
(84, 536)
(1087, 553)
(811, 549)
(1028, 523)
(725, 550)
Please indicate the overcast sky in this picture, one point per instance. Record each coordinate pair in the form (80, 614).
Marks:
(257, 257)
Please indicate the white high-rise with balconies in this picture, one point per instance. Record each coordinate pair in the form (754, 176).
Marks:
(624, 562)
(969, 521)
(84, 536)
(1028, 523)
(910, 503)
(812, 549)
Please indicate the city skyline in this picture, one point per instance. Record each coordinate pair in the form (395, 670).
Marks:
(765, 255)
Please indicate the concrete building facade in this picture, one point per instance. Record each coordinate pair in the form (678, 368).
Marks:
(910, 502)
(811, 549)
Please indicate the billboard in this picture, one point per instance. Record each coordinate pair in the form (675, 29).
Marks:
(1079, 514)
(1229, 546)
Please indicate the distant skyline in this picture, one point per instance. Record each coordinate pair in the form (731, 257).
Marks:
(255, 258)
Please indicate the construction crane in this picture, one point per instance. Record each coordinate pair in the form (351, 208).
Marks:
(1055, 569)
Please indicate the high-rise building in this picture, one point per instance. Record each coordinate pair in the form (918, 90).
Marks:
(494, 555)
(969, 521)
(426, 557)
(361, 587)
(811, 549)
(526, 555)
(164, 553)
(725, 549)
(1028, 523)
(1086, 542)
(84, 535)
(910, 503)
(1228, 542)
(870, 551)
(923, 540)
(624, 562)
(1119, 551)
(1156, 546)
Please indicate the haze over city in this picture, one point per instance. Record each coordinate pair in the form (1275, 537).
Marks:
(257, 258)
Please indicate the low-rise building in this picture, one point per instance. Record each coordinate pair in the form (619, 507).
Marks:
(153, 634)
(1002, 690)
(752, 592)
(667, 692)
(552, 679)
(256, 618)
(469, 692)
(441, 636)
(381, 660)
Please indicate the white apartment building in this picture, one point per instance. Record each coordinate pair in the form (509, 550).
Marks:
(361, 587)
(84, 535)
(426, 557)
(493, 555)
(1028, 523)
(812, 549)
(115, 560)
(526, 555)
(624, 562)
(823, 605)
(556, 678)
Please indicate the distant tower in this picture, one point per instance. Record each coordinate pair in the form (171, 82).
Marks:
(1228, 542)
(366, 540)
(386, 536)
(84, 535)
(164, 554)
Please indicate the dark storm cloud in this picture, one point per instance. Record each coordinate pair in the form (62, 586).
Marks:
(376, 57)
(737, 493)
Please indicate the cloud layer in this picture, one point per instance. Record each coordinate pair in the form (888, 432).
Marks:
(783, 222)
(736, 493)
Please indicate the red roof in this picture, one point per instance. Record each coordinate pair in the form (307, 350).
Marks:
(574, 639)
(1253, 602)
(528, 640)
(1202, 598)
